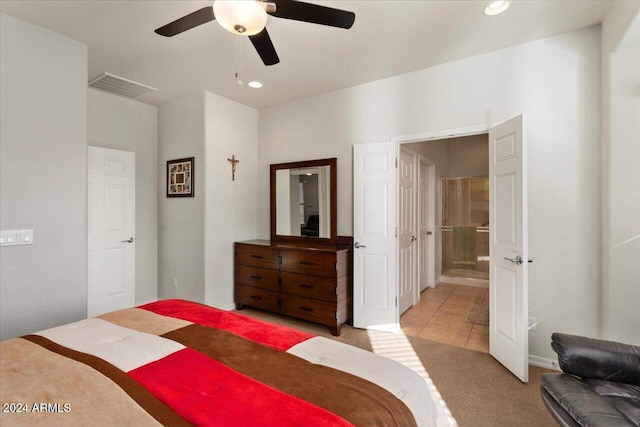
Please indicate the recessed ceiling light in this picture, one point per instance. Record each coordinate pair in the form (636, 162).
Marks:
(496, 7)
(255, 85)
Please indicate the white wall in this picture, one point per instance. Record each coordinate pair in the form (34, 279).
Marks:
(554, 82)
(181, 133)
(621, 175)
(124, 124)
(469, 156)
(231, 207)
(43, 177)
(197, 234)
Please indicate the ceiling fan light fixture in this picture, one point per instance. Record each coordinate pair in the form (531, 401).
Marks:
(243, 17)
(496, 7)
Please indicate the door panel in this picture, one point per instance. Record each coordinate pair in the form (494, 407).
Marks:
(111, 224)
(508, 284)
(374, 260)
(407, 226)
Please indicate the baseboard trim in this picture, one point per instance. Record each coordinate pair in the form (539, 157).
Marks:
(543, 362)
(148, 301)
(229, 307)
(478, 283)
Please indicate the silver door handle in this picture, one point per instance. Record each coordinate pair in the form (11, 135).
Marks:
(517, 260)
(129, 240)
(358, 245)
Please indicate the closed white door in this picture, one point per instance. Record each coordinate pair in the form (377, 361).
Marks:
(374, 225)
(508, 284)
(111, 230)
(407, 235)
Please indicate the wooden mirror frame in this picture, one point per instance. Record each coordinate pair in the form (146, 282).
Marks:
(333, 187)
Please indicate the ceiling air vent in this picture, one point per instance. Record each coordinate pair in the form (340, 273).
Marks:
(120, 86)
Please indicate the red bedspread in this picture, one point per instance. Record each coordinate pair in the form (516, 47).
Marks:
(176, 362)
(276, 336)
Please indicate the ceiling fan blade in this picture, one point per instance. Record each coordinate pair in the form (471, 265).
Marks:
(187, 22)
(316, 14)
(264, 46)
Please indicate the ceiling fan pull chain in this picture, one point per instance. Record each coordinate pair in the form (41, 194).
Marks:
(238, 57)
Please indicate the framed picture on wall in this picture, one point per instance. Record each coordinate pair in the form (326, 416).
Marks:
(180, 177)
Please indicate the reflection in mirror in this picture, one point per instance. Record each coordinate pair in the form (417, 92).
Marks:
(303, 198)
(303, 201)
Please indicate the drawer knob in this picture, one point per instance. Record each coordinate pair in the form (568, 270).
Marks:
(303, 308)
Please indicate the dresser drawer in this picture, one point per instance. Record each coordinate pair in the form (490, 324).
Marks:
(256, 255)
(257, 277)
(309, 309)
(309, 262)
(303, 285)
(257, 297)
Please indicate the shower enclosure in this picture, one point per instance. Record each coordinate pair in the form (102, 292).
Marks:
(465, 227)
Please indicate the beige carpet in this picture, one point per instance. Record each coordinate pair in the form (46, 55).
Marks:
(479, 391)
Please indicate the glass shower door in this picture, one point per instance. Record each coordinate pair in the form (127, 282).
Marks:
(465, 227)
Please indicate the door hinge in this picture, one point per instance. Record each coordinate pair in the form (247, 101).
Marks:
(396, 232)
(396, 163)
(396, 301)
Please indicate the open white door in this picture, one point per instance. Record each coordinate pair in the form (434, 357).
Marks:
(426, 213)
(508, 285)
(407, 234)
(374, 221)
(111, 230)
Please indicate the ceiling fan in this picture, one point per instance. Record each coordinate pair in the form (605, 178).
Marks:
(248, 18)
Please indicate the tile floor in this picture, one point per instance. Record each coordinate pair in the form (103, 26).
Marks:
(441, 316)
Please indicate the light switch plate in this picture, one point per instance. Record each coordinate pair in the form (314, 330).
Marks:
(16, 237)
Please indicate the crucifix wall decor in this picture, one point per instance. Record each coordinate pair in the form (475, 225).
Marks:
(233, 162)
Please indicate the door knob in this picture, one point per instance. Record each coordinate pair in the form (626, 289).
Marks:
(129, 240)
(414, 238)
(517, 260)
(358, 245)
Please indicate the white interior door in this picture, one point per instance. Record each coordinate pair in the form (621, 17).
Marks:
(425, 223)
(407, 234)
(111, 230)
(374, 221)
(508, 285)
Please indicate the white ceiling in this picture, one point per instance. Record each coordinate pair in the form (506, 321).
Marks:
(389, 37)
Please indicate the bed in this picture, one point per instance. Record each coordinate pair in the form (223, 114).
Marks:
(175, 362)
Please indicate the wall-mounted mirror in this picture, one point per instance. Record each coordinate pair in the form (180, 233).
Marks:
(303, 201)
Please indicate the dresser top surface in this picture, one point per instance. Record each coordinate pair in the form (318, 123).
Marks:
(302, 246)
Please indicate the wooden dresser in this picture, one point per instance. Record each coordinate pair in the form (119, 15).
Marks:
(309, 282)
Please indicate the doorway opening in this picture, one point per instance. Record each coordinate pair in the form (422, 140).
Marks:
(453, 306)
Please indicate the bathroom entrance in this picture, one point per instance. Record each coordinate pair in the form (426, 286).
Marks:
(459, 230)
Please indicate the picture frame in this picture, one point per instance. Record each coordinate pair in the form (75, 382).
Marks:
(180, 177)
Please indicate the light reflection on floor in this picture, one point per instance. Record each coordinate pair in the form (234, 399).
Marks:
(396, 346)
